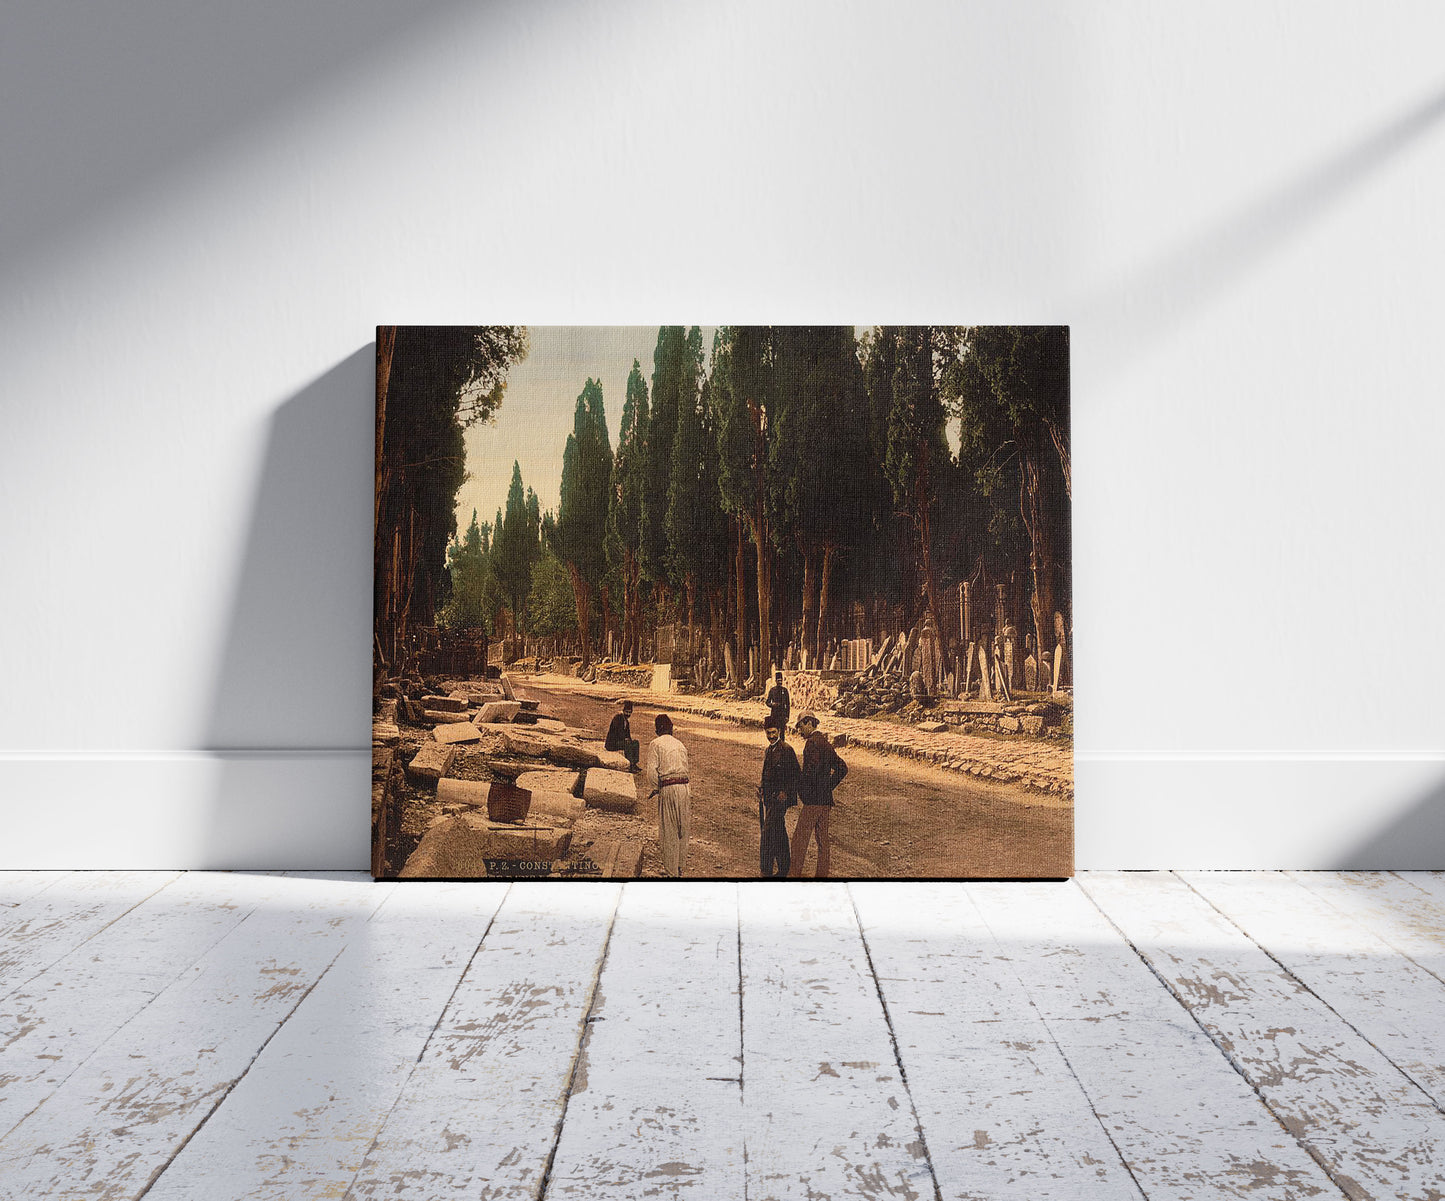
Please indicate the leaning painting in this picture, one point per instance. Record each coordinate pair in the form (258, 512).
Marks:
(730, 602)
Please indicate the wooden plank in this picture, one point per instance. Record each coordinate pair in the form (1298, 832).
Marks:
(54, 1022)
(301, 1120)
(49, 924)
(1402, 908)
(123, 1114)
(1368, 1124)
(1185, 1123)
(16, 887)
(1391, 1001)
(481, 1111)
(826, 1111)
(1001, 1112)
(657, 1105)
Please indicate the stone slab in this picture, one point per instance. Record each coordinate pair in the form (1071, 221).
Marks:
(459, 847)
(432, 761)
(931, 727)
(456, 703)
(613, 791)
(612, 761)
(384, 733)
(457, 731)
(662, 677)
(498, 711)
(555, 804)
(529, 744)
(549, 781)
(440, 717)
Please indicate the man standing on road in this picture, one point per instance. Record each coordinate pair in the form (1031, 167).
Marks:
(822, 772)
(619, 736)
(779, 703)
(779, 790)
(666, 777)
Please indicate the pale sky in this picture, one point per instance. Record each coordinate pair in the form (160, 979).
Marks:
(536, 414)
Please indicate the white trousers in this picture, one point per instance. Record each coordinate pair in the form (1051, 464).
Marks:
(674, 805)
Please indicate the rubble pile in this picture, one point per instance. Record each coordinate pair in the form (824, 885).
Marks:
(458, 748)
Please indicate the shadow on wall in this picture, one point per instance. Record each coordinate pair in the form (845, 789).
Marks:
(1414, 841)
(1149, 304)
(290, 716)
(116, 97)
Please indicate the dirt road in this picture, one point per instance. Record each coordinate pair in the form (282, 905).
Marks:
(894, 817)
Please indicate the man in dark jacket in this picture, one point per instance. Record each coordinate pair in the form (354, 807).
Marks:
(780, 704)
(823, 770)
(779, 791)
(619, 736)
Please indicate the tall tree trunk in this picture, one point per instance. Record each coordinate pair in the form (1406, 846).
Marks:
(1059, 436)
(636, 608)
(691, 589)
(606, 621)
(740, 646)
(582, 598)
(810, 602)
(760, 532)
(1034, 508)
(826, 578)
(765, 599)
(923, 503)
(385, 343)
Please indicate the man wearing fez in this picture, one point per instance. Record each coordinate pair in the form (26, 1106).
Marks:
(778, 791)
(822, 772)
(779, 703)
(619, 736)
(666, 777)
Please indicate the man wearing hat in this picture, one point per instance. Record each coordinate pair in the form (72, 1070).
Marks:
(619, 736)
(823, 770)
(666, 777)
(779, 703)
(778, 791)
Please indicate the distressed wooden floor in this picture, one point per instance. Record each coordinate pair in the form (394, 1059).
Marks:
(1190, 1035)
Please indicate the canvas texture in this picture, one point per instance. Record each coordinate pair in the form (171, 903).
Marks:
(733, 602)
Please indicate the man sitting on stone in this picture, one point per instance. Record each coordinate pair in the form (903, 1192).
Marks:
(619, 736)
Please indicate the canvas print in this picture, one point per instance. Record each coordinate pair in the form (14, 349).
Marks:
(734, 602)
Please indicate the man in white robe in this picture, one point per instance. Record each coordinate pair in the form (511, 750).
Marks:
(666, 775)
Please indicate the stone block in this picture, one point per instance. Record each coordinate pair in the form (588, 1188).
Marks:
(549, 781)
(1009, 725)
(440, 717)
(456, 703)
(384, 734)
(612, 760)
(459, 847)
(457, 731)
(1032, 724)
(463, 792)
(614, 791)
(432, 761)
(498, 711)
(555, 804)
(531, 745)
(550, 725)
(931, 727)
(662, 677)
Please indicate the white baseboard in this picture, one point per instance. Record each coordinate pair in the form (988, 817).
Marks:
(1241, 810)
(186, 809)
(310, 809)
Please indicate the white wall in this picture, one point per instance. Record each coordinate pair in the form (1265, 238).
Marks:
(206, 207)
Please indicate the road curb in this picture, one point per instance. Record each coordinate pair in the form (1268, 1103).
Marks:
(949, 757)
